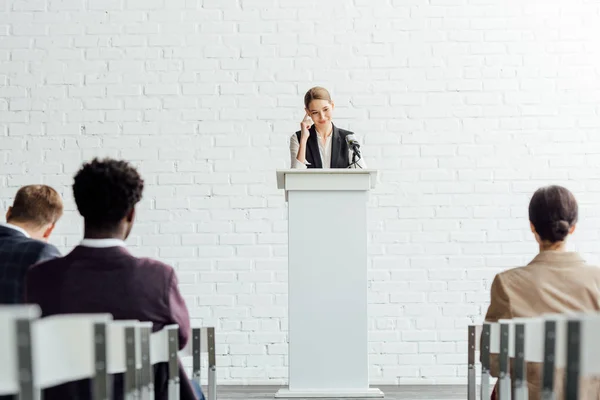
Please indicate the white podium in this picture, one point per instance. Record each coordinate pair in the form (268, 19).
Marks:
(327, 298)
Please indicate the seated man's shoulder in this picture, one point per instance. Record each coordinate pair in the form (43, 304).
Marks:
(36, 249)
(152, 266)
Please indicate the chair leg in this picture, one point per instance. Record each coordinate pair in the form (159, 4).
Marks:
(212, 365)
(485, 362)
(471, 389)
(173, 365)
(521, 389)
(174, 389)
(25, 361)
(212, 383)
(504, 380)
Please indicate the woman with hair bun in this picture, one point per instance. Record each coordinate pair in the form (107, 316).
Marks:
(556, 281)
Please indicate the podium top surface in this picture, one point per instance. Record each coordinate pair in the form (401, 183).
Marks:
(326, 179)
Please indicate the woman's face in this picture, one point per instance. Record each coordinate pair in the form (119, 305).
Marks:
(321, 112)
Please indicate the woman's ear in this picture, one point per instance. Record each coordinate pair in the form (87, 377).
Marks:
(572, 229)
(535, 234)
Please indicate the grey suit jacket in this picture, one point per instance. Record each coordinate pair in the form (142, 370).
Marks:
(17, 254)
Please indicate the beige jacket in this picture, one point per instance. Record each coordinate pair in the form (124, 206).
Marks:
(554, 282)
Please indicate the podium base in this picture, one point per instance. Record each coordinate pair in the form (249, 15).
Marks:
(329, 393)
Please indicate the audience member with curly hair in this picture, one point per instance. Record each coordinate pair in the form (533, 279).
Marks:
(101, 276)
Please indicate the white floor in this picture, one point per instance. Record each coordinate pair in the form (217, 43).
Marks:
(406, 392)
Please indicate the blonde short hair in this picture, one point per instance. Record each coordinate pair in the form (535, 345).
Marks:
(37, 204)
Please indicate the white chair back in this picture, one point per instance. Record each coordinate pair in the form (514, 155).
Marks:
(474, 345)
(486, 346)
(494, 337)
(506, 344)
(146, 376)
(164, 346)
(117, 345)
(9, 366)
(590, 348)
(522, 328)
(125, 354)
(566, 341)
(40, 353)
(534, 338)
(63, 348)
(203, 342)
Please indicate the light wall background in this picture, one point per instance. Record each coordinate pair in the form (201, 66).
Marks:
(464, 106)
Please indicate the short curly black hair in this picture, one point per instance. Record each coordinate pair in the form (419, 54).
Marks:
(105, 191)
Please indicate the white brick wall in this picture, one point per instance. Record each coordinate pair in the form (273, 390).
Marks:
(465, 107)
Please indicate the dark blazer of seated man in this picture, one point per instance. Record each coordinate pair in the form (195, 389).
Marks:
(102, 276)
(23, 238)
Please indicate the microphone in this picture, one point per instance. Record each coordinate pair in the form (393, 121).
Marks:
(353, 144)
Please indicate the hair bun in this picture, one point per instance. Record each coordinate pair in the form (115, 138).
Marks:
(561, 228)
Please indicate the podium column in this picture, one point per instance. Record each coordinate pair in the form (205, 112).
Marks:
(327, 298)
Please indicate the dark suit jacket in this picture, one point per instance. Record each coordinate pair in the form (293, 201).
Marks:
(111, 280)
(17, 254)
(339, 148)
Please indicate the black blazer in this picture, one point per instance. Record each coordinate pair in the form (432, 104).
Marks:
(339, 148)
(17, 254)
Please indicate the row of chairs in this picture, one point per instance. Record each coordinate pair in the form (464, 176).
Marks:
(566, 341)
(38, 353)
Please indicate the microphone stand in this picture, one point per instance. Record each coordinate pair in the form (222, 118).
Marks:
(355, 160)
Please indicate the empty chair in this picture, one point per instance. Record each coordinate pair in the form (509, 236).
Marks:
(203, 341)
(13, 318)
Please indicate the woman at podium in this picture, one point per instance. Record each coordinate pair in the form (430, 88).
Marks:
(319, 143)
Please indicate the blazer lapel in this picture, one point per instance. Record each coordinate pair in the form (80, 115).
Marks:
(313, 148)
(335, 146)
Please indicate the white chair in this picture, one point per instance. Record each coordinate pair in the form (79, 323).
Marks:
(526, 346)
(555, 351)
(60, 349)
(146, 377)
(554, 340)
(164, 346)
(490, 344)
(583, 351)
(505, 344)
(474, 341)
(125, 356)
(13, 318)
(203, 341)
